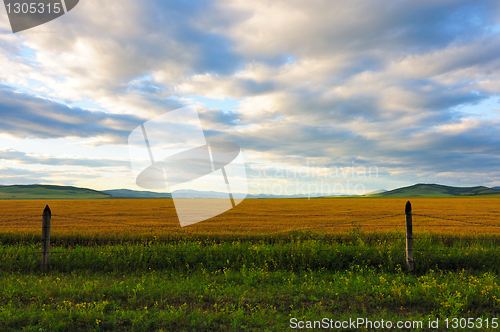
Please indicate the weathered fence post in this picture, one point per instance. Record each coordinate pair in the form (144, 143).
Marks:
(409, 238)
(46, 238)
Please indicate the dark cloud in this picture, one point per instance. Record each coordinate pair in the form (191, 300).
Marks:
(216, 118)
(27, 116)
(395, 27)
(188, 23)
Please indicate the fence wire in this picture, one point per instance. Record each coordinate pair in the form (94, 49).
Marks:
(456, 220)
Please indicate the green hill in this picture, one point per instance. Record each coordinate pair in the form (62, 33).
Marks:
(436, 190)
(41, 191)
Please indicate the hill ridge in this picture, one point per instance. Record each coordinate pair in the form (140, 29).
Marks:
(436, 190)
(48, 191)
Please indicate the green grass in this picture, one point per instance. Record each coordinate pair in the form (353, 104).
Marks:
(236, 300)
(246, 285)
(38, 191)
(292, 256)
(33, 237)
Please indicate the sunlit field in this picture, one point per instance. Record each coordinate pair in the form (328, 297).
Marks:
(132, 219)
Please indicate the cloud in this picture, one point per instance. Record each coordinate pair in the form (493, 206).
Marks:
(25, 158)
(27, 116)
(324, 28)
(11, 176)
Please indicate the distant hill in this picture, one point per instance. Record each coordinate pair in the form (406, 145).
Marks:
(39, 191)
(380, 191)
(436, 190)
(42, 191)
(185, 193)
(135, 193)
(182, 193)
(278, 196)
(189, 193)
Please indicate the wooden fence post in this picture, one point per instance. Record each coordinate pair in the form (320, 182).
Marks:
(46, 238)
(409, 238)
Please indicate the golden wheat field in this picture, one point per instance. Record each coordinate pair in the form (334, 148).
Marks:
(157, 217)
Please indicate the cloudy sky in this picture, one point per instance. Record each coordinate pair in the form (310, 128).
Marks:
(318, 94)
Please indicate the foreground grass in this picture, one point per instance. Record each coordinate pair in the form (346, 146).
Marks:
(236, 300)
(238, 286)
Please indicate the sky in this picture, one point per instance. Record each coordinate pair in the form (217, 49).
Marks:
(323, 97)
